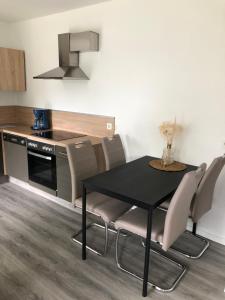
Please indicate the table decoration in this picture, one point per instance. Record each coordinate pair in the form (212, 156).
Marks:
(169, 130)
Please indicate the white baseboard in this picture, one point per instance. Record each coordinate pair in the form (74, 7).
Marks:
(47, 196)
(205, 233)
(200, 230)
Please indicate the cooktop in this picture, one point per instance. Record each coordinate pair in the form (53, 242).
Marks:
(57, 135)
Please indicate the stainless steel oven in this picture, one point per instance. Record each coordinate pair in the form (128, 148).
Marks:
(42, 165)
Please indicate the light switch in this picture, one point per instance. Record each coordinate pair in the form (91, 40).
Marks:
(109, 126)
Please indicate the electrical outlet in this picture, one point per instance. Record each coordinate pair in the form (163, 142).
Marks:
(109, 126)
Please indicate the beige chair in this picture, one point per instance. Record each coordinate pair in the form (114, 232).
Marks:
(83, 164)
(166, 226)
(203, 199)
(113, 151)
(165, 204)
(202, 202)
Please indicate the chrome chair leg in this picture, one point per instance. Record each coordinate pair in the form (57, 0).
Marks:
(74, 238)
(162, 208)
(189, 255)
(165, 256)
(106, 238)
(183, 269)
(114, 230)
(142, 242)
(185, 253)
(193, 233)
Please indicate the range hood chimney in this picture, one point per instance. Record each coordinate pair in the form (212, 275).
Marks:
(70, 45)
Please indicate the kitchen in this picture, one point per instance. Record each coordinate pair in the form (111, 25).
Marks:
(94, 70)
(42, 161)
(26, 150)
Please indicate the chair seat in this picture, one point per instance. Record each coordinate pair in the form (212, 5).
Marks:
(109, 209)
(93, 199)
(135, 221)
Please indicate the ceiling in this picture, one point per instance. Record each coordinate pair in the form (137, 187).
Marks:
(18, 10)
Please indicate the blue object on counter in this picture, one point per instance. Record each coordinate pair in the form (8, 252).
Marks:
(41, 119)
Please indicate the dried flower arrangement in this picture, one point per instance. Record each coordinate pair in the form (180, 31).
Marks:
(169, 130)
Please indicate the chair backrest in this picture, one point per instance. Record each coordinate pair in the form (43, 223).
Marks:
(83, 164)
(179, 208)
(203, 199)
(113, 151)
(200, 175)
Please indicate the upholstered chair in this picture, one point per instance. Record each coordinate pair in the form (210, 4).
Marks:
(202, 203)
(83, 164)
(113, 151)
(167, 226)
(203, 200)
(166, 203)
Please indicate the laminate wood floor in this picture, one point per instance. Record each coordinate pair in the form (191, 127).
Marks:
(38, 260)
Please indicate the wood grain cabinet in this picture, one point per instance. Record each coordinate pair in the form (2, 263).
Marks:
(16, 163)
(12, 70)
(64, 187)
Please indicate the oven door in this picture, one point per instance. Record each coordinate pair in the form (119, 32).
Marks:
(42, 169)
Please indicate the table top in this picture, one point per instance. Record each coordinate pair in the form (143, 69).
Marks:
(137, 183)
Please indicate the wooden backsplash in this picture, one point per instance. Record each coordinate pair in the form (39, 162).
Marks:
(95, 125)
(7, 114)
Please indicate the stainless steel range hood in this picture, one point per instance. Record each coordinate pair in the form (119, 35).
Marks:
(70, 45)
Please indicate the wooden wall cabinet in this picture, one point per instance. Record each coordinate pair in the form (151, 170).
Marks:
(12, 70)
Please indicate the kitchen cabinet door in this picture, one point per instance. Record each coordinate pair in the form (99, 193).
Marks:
(12, 70)
(16, 161)
(64, 188)
(1, 157)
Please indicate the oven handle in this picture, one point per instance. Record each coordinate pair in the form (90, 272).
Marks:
(40, 155)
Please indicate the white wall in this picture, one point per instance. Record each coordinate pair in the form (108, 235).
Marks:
(158, 59)
(6, 98)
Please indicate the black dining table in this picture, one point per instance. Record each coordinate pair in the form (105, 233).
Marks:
(138, 184)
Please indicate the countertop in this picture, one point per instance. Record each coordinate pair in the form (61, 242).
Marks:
(26, 132)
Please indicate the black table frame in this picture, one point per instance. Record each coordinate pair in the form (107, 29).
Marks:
(150, 208)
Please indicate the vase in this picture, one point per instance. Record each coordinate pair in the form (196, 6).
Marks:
(168, 155)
